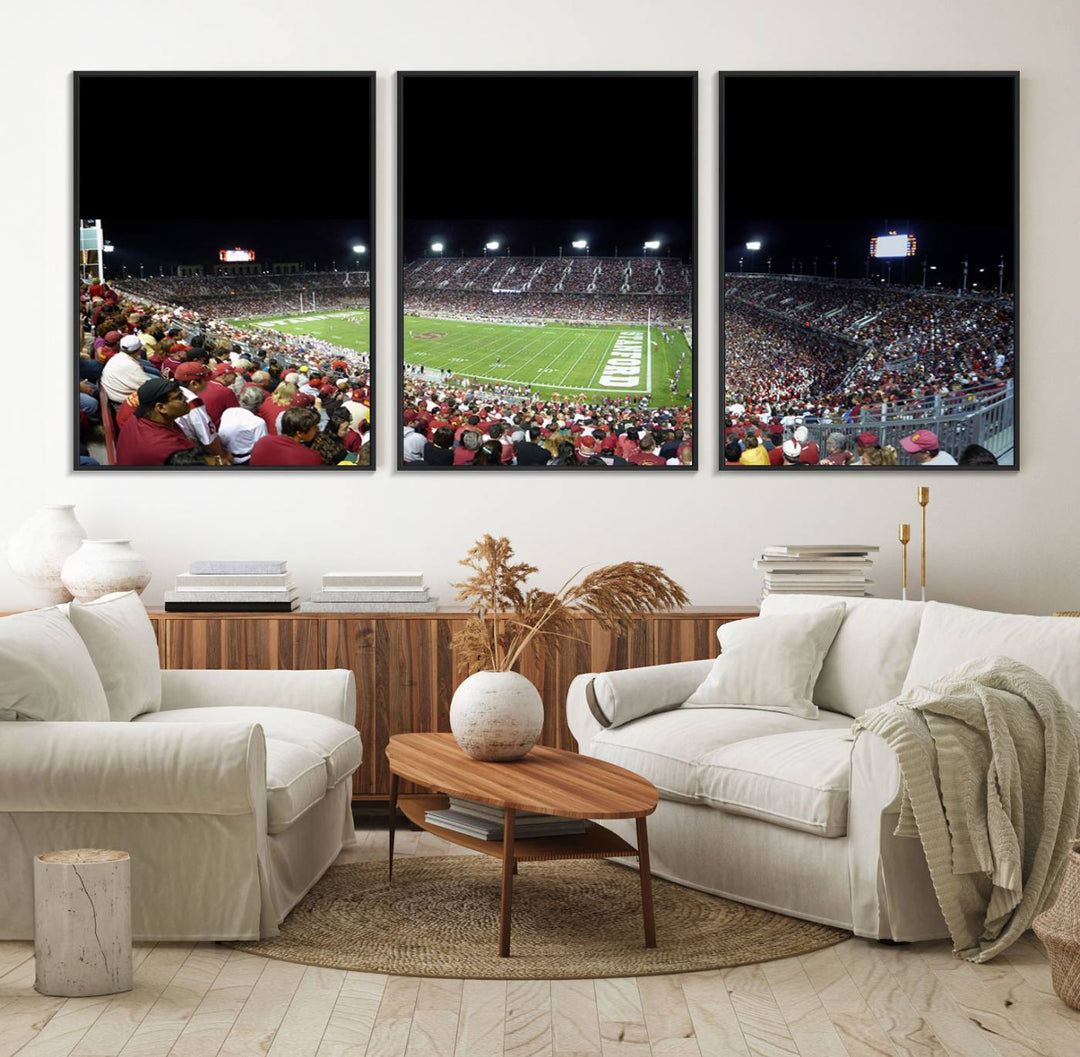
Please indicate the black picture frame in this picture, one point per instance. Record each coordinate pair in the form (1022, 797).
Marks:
(403, 77)
(1012, 78)
(79, 77)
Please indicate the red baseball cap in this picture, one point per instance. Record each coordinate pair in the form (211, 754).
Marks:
(112, 338)
(187, 372)
(221, 368)
(920, 440)
(868, 440)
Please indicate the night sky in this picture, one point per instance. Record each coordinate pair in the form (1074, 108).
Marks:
(815, 165)
(178, 167)
(540, 161)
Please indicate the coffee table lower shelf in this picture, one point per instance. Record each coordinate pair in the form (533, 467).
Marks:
(595, 843)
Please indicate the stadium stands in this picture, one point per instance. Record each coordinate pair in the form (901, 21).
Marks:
(847, 356)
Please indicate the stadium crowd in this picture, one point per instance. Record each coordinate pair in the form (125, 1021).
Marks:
(563, 308)
(178, 389)
(237, 296)
(450, 423)
(845, 352)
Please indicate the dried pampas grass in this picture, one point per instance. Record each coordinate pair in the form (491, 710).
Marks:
(507, 616)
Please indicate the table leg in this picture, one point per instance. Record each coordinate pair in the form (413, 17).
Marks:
(393, 822)
(646, 882)
(506, 894)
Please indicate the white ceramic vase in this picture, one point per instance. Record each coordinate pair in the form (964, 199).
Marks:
(100, 567)
(37, 551)
(496, 715)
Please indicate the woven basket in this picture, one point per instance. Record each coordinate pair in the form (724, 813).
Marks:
(1059, 929)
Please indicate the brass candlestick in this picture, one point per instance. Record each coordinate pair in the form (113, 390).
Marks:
(904, 535)
(923, 496)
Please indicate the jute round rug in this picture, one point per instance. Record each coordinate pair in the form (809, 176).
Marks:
(573, 918)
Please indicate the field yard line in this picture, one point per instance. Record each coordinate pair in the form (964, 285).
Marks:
(578, 360)
(542, 350)
(541, 385)
(602, 364)
(648, 372)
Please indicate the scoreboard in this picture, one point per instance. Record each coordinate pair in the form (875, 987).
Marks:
(236, 254)
(893, 245)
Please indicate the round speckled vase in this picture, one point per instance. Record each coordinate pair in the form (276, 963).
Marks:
(37, 551)
(100, 567)
(496, 715)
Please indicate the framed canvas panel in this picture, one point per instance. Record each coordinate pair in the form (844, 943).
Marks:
(547, 231)
(224, 309)
(869, 245)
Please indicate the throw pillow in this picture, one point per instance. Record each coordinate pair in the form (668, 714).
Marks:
(770, 663)
(45, 670)
(121, 642)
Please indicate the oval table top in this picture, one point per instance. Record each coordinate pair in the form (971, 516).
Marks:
(549, 781)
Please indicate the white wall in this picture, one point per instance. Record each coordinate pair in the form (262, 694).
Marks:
(1004, 541)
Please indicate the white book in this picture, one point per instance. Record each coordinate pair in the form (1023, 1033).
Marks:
(365, 594)
(373, 579)
(484, 829)
(227, 594)
(810, 567)
(821, 548)
(248, 581)
(217, 566)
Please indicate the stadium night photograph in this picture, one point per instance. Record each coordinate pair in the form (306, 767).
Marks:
(224, 317)
(547, 270)
(869, 251)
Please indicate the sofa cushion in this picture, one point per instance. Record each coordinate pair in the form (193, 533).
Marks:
(120, 639)
(295, 780)
(336, 743)
(953, 635)
(618, 697)
(770, 662)
(870, 656)
(799, 780)
(668, 748)
(45, 670)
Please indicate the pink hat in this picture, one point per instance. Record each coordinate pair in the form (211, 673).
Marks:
(920, 440)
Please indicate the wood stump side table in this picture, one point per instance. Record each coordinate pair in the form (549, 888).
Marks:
(548, 781)
(82, 922)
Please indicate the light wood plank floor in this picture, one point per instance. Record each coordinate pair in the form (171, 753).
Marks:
(857, 999)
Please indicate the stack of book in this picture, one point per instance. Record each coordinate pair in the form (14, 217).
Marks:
(234, 587)
(817, 569)
(370, 593)
(486, 822)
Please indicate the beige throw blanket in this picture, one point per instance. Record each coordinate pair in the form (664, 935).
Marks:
(990, 760)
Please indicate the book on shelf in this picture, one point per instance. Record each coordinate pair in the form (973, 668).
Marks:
(409, 595)
(372, 579)
(225, 568)
(816, 549)
(228, 594)
(232, 607)
(853, 565)
(247, 581)
(370, 607)
(490, 829)
(490, 811)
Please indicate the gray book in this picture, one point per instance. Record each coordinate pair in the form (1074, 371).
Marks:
(370, 607)
(225, 594)
(217, 567)
(247, 581)
(360, 594)
(473, 826)
(347, 579)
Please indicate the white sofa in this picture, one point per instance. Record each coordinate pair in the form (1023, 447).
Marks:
(792, 814)
(231, 790)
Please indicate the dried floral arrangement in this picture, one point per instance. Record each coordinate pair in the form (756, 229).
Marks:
(507, 616)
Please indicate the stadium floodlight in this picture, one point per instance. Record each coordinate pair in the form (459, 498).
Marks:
(436, 247)
(580, 244)
(493, 245)
(108, 247)
(652, 244)
(358, 248)
(756, 245)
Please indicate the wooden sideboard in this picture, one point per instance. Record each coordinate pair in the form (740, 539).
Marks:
(406, 668)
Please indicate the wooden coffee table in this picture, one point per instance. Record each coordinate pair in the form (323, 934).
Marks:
(549, 781)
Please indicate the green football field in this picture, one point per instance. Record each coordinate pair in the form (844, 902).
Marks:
(348, 328)
(601, 361)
